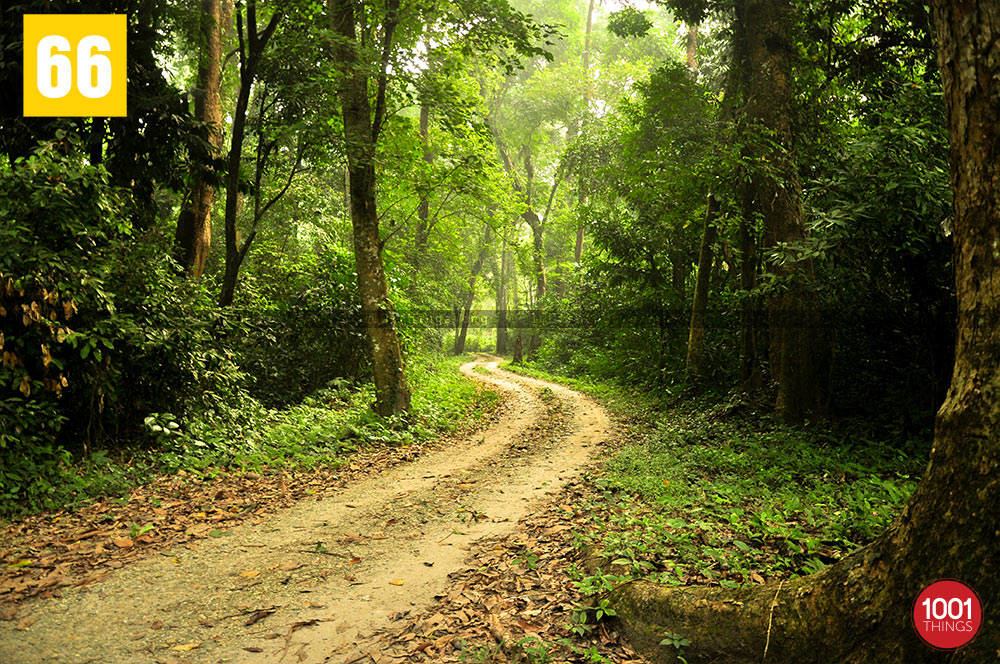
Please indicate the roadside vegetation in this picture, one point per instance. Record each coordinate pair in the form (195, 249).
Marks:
(323, 430)
(705, 490)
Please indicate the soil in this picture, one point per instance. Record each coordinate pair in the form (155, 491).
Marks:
(314, 582)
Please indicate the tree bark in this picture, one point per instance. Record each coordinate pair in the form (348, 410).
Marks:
(587, 94)
(691, 47)
(424, 211)
(858, 610)
(501, 291)
(696, 334)
(537, 252)
(470, 293)
(194, 225)
(361, 131)
(777, 195)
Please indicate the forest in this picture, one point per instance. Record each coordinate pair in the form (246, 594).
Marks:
(513, 331)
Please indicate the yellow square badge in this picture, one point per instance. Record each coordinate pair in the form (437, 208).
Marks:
(75, 65)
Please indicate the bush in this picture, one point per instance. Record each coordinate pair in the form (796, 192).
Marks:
(96, 327)
(303, 318)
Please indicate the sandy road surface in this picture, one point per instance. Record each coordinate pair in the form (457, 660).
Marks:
(308, 582)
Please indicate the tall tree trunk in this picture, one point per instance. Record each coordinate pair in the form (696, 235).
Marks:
(538, 258)
(587, 94)
(501, 291)
(392, 395)
(194, 225)
(537, 253)
(424, 211)
(777, 195)
(859, 610)
(470, 292)
(696, 335)
(691, 46)
(737, 86)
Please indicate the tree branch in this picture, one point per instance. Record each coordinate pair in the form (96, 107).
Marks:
(391, 21)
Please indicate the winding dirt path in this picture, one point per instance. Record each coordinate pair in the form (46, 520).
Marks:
(309, 583)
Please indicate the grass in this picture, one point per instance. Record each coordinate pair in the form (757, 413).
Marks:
(323, 430)
(700, 493)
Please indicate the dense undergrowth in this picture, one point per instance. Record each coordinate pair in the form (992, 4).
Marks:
(323, 429)
(708, 491)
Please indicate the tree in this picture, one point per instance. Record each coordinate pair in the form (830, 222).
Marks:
(252, 43)
(194, 225)
(470, 291)
(775, 194)
(362, 127)
(696, 334)
(858, 610)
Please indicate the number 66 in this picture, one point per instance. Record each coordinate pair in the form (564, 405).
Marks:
(86, 61)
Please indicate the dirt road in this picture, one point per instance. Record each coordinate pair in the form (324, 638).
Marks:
(308, 583)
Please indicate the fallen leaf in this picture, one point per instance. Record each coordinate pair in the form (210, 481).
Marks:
(354, 561)
(396, 582)
(253, 649)
(250, 573)
(9, 613)
(186, 646)
(156, 624)
(123, 542)
(288, 567)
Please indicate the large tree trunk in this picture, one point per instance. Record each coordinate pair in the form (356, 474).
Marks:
(858, 610)
(777, 195)
(696, 334)
(194, 225)
(470, 293)
(392, 395)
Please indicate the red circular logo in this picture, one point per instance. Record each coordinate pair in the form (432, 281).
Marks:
(947, 614)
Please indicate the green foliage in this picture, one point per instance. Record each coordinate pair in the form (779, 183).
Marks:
(629, 22)
(714, 497)
(302, 312)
